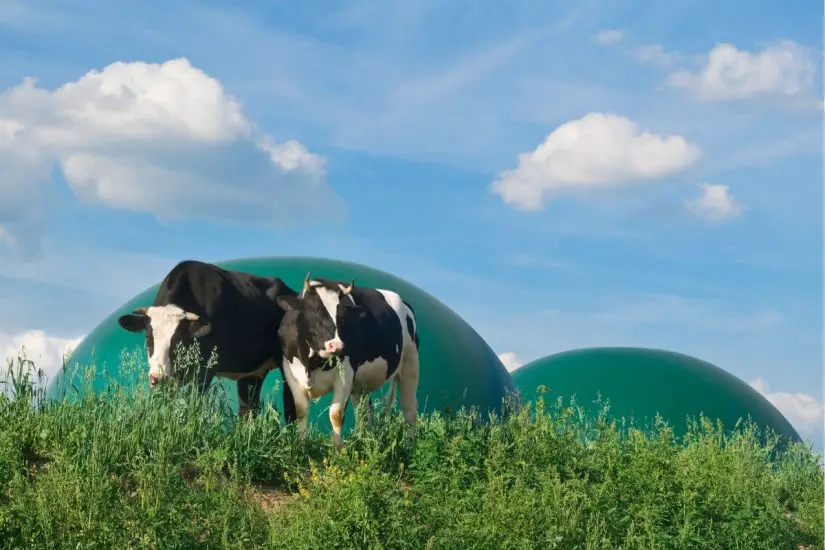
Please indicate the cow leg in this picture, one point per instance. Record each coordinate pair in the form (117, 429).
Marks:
(299, 399)
(390, 396)
(301, 412)
(407, 387)
(289, 400)
(341, 391)
(358, 398)
(249, 395)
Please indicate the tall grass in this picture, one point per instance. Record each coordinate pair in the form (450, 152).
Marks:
(129, 468)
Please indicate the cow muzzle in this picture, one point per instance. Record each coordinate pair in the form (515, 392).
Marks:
(333, 347)
(154, 380)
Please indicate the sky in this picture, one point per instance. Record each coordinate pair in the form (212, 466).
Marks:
(561, 174)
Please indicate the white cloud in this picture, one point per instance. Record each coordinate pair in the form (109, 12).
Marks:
(510, 360)
(599, 150)
(715, 203)
(655, 54)
(802, 410)
(46, 352)
(784, 69)
(160, 138)
(608, 37)
(291, 155)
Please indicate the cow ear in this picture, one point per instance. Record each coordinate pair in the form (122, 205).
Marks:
(290, 303)
(199, 328)
(133, 323)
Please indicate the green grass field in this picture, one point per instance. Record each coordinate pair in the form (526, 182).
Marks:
(126, 469)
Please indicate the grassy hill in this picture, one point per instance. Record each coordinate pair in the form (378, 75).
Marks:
(126, 469)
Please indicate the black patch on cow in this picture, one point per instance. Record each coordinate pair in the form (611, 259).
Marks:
(150, 339)
(411, 325)
(411, 330)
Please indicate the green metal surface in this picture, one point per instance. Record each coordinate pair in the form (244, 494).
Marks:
(457, 366)
(639, 382)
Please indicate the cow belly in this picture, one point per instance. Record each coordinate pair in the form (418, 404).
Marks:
(372, 374)
(260, 371)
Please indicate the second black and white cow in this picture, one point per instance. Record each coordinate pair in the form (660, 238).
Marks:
(371, 332)
(231, 312)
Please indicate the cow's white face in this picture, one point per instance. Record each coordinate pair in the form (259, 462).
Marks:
(329, 299)
(165, 327)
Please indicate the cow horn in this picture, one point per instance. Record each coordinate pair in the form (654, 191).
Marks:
(140, 311)
(306, 281)
(192, 316)
(347, 289)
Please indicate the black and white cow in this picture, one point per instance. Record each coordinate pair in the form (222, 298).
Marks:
(232, 311)
(372, 332)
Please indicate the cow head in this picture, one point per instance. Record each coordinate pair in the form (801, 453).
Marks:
(326, 313)
(165, 327)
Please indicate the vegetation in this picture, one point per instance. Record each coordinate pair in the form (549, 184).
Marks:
(129, 469)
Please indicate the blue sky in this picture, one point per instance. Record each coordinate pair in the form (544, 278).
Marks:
(676, 201)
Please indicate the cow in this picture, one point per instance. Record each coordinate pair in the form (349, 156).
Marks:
(231, 312)
(372, 333)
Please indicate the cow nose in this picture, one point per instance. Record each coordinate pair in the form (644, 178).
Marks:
(334, 346)
(153, 380)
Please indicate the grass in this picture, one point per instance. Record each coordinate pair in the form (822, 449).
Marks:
(129, 469)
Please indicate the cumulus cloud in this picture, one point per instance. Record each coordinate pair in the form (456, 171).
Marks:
(802, 410)
(608, 37)
(510, 360)
(46, 352)
(715, 203)
(655, 54)
(164, 138)
(784, 69)
(599, 150)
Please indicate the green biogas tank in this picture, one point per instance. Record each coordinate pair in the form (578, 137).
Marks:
(641, 382)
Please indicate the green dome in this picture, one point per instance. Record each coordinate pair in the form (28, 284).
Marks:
(457, 366)
(639, 382)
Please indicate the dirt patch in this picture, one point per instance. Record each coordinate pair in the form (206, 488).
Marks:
(269, 497)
